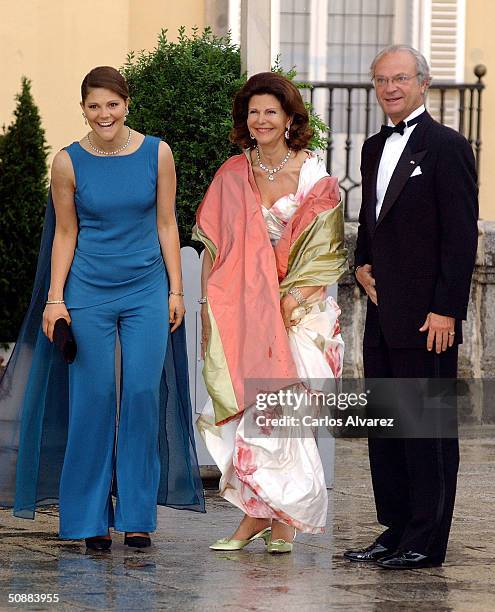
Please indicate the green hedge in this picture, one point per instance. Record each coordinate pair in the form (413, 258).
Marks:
(182, 92)
(23, 194)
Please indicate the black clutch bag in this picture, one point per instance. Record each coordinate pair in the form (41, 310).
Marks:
(64, 340)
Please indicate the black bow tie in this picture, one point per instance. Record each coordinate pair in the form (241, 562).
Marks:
(388, 130)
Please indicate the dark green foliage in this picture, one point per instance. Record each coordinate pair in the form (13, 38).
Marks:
(183, 92)
(23, 193)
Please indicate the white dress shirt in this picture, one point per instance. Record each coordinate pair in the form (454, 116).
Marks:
(394, 146)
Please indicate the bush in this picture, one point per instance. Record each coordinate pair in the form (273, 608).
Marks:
(23, 193)
(183, 92)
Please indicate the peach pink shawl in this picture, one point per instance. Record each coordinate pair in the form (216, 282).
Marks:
(248, 277)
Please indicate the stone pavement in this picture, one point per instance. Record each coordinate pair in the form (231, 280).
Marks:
(180, 573)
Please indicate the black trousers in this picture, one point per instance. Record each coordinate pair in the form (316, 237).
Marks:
(414, 480)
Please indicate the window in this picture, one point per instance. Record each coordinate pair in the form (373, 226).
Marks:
(357, 30)
(294, 35)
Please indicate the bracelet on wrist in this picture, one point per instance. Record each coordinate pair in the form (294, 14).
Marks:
(181, 293)
(54, 302)
(202, 300)
(297, 295)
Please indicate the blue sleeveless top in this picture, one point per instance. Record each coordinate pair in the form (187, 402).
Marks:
(118, 251)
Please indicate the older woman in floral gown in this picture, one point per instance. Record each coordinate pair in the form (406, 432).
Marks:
(272, 225)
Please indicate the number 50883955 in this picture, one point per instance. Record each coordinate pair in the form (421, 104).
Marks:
(33, 598)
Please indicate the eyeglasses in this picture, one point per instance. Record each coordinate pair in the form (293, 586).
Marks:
(398, 79)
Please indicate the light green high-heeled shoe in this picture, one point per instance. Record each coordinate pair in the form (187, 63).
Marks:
(280, 546)
(226, 544)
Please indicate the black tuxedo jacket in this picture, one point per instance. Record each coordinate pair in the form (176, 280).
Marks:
(422, 247)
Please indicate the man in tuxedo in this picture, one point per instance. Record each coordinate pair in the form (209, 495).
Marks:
(414, 258)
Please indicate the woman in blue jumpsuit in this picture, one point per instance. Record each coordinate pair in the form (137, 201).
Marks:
(115, 269)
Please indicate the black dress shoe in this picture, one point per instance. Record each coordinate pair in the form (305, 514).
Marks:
(407, 560)
(98, 543)
(137, 541)
(372, 553)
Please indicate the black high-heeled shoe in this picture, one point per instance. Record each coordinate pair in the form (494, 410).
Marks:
(98, 543)
(137, 541)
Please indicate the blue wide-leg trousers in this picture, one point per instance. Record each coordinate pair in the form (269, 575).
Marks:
(106, 443)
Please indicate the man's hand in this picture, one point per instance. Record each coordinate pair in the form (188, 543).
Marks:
(367, 282)
(440, 331)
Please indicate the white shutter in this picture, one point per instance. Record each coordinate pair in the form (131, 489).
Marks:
(440, 31)
(447, 39)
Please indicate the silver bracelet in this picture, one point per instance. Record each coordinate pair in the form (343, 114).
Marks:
(202, 300)
(55, 302)
(297, 295)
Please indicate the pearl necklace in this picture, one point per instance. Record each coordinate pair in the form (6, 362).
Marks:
(272, 171)
(102, 152)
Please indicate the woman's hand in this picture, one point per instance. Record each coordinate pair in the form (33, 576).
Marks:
(177, 310)
(287, 305)
(205, 329)
(51, 313)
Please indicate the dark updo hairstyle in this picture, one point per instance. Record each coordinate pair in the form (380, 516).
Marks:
(287, 94)
(106, 77)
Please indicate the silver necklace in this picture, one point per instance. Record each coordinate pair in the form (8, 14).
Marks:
(272, 171)
(102, 152)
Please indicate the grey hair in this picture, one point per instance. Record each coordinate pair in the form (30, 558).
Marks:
(422, 67)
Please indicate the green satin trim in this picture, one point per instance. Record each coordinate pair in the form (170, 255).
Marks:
(217, 376)
(215, 369)
(318, 257)
(198, 235)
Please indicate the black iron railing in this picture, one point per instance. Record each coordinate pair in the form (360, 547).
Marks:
(352, 115)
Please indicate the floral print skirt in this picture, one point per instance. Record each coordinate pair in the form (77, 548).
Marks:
(275, 471)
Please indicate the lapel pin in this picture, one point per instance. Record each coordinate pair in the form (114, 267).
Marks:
(412, 161)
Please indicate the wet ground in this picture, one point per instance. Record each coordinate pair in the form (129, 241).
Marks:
(180, 573)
